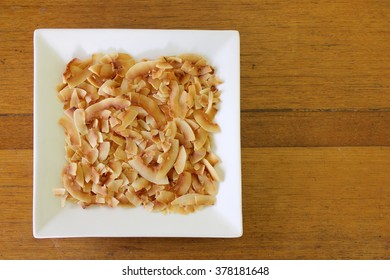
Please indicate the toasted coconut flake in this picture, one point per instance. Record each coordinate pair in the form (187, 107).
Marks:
(104, 114)
(81, 92)
(127, 118)
(92, 137)
(211, 113)
(101, 168)
(159, 206)
(144, 125)
(95, 81)
(79, 121)
(74, 100)
(140, 183)
(185, 129)
(105, 127)
(189, 68)
(120, 154)
(140, 85)
(70, 130)
(141, 143)
(171, 129)
(70, 112)
(98, 189)
(69, 152)
(155, 83)
(147, 172)
(99, 199)
(95, 176)
(165, 196)
(202, 119)
(163, 90)
(169, 159)
(113, 121)
(174, 100)
(194, 199)
(117, 140)
(131, 147)
(108, 88)
(148, 205)
(201, 137)
(59, 191)
(79, 78)
(199, 167)
(74, 189)
(72, 168)
(113, 202)
(131, 174)
(122, 198)
(114, 185)
(191, 57)
(183, 183)
(116, 168)
(87, 171)
(211, 169)
(209, 104)
(96, 108)
(123, 63)
(65, 94)
(191, 96)
(212, 158)
(95, 69)
(133, 198)
(205, 69)
(196, 184)
(60, 86)
(104, 58)
(140, 69)
(150, 106)
(164, 65)
(181, 160)
(165, 146)
(203, 100)
(174, 59)
(154, 190)
(87, 187)
(210, 187)
(197, 155)
(80, 175)
(92, 155)
(89, 90)
(183, 104)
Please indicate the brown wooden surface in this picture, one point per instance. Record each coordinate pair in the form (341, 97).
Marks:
(315, 119)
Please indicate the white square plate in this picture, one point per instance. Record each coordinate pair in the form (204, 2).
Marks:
(53, 49)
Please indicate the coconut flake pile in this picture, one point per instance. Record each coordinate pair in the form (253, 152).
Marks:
(140, 133)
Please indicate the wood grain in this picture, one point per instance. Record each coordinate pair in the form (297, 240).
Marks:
(315, 111)
(326, 54)
(298, 203)
(264, 129)
(16, 168)
(16, 132)
(313, 129)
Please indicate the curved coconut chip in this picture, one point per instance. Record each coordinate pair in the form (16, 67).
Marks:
(95, 109)
(74, 189)
(140, 69)
(202, 119)
(147, 172)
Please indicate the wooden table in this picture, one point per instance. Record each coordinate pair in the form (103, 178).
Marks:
(315, 116)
